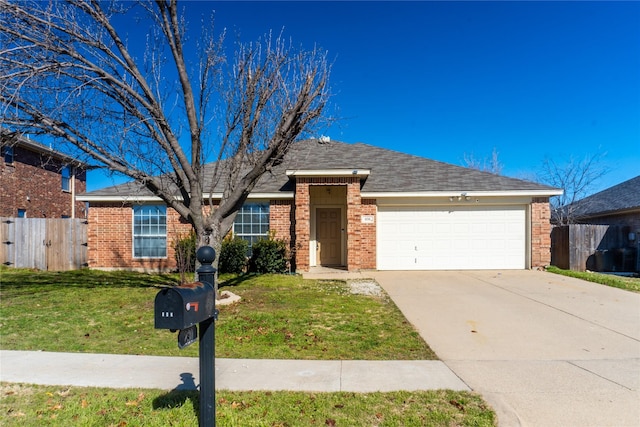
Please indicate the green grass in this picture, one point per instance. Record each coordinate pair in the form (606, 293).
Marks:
(627, 283)
(27, 405)
(279, 316)
(286, 317)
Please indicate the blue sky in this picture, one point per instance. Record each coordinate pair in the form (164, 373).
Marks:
(447, 79)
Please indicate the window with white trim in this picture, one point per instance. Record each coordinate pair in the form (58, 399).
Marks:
(150, 231)
(252, 222)
(66, 178)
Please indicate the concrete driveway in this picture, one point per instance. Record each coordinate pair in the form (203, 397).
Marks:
(542, 349)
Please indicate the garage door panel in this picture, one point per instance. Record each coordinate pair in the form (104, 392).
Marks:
(451, 238)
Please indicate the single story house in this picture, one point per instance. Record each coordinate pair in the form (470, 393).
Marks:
(354, 206)
(617, 205)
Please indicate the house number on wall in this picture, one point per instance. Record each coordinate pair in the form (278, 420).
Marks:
(368, 219)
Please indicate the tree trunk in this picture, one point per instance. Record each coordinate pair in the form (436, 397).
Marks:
(204, 238)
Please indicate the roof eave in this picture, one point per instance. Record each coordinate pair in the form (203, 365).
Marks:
(365, 194)
(427, 194)
(40, 148)
(313, 173)
(583, 217)
(140, 199)
(116, 198)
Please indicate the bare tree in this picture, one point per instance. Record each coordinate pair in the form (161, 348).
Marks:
(155, 109)
(576, 177)
(492, 164)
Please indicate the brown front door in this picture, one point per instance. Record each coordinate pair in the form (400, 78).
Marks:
(328, 236)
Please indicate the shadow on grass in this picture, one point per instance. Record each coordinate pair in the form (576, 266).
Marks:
(235, 280)
(187, 391)
(32, 280)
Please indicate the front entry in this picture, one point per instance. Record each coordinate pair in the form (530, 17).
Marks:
(328, 237)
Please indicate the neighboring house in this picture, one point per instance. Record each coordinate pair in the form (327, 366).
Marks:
(617, 205)
(353, 206)
(38, 182)
(604, 231)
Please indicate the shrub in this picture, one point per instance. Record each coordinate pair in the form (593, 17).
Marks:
(185, 254)
(269, 256)
(233, 255)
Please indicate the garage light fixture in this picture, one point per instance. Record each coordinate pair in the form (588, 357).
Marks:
(461, 197)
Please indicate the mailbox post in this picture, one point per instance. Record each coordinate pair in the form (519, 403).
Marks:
(180, 308)
(206, 274)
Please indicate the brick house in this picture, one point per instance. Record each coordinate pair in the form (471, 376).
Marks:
(604, 234)
(617, 205)
(353, 206)
(38, 182)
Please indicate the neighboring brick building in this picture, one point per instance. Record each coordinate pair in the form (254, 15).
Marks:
(353, 206)
(38, 182)
(603, 232)
(617, 205)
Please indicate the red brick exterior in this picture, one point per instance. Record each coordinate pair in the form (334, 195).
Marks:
(110, 229)
(281, 219)
(282, 223)
(540, 232)
(111, 238)
(360, 239)
(631, 220)
(33, 182)
(368, 247)
(354, 224)
(302, 224)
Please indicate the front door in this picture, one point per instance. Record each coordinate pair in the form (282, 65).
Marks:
(328, 236)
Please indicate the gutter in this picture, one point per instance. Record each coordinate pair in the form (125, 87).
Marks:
(428, 194)
(206, 196)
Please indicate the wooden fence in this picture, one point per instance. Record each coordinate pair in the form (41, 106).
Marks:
(43, 243)
(592, 247)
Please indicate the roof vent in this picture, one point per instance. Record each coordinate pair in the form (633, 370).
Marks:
(324, 139)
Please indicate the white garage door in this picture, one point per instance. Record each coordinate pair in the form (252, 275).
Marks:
(451, 238)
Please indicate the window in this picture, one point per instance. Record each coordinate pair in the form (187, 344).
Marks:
(7, 153)
(22, 213)
(252, 222)
(66, 178)
(150, 231)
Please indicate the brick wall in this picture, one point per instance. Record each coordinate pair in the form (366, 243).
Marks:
(354, 225)
(282, 223)
(110, 238)
(540, 232)
(110, 230)
(33, 182)
(359, 236)
(302, 225)
(368, 248)
(629, 220)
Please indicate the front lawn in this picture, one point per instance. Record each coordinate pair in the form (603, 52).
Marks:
(279, 316)
(28, 405)
(627, 283)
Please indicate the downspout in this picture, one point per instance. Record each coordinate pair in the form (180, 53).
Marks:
(529, 236)
(73, 192)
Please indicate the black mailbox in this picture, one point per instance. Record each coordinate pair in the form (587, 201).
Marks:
(183, 306)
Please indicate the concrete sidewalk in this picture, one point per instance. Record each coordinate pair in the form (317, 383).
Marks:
(124, 371)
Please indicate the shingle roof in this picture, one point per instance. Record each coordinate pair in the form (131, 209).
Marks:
(619, 198)
(391, 171)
